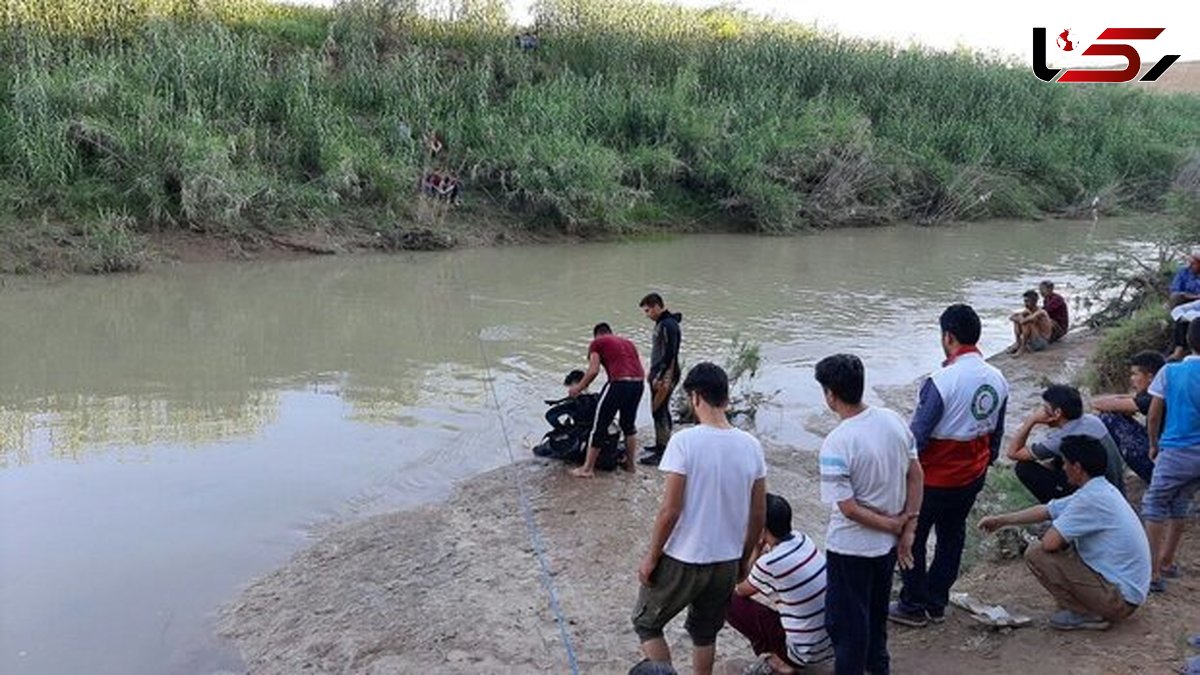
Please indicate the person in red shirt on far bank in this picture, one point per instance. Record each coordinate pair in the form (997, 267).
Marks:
(621, 394)
(1056, 306)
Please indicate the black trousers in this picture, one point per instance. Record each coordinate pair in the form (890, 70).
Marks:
(945, 511)
(857, 590)
(1044, 483)
(662, 414)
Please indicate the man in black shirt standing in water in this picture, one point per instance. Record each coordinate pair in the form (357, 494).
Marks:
(664, 372)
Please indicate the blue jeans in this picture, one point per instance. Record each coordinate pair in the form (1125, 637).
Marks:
(946, 510)
(857, 590)
(1133, 442)
(1176, 480)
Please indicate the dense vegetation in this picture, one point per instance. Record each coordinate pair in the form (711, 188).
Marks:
(239, 117)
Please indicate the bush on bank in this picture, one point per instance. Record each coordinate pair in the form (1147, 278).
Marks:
(233, 116)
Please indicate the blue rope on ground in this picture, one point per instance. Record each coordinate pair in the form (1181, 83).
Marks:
(535, 534)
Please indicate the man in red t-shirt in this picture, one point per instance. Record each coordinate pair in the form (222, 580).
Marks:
(621, 394)
(1056, 307)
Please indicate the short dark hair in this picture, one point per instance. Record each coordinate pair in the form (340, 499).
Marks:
(1030, 295)
(1066, 399)
(1194, 336)
(601, 329)
(710, 382)
(573, 377)
(648, 667)
(1047, 284)
(651, 300)
(1086, 451)
(779, 516)
(963, 323)
(1148, 361)
(844, 376)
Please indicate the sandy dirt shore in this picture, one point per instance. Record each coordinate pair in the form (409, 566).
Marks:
(455, 587)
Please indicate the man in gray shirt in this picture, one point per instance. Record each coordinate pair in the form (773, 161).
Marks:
(1039, 465)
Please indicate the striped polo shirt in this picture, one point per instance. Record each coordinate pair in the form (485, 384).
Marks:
(793, 575)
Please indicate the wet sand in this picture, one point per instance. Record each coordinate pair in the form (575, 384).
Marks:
(454, 587)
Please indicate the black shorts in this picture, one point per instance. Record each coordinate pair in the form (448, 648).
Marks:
(622, 396)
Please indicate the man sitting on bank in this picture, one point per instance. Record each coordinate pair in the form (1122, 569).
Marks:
(1184, 302)
(1055, 305)
(1039, 465)
(1116, 411)
(1094, 559)
(1033, 328)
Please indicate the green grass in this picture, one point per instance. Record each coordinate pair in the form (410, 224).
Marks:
(233, 116)
(1002, 493)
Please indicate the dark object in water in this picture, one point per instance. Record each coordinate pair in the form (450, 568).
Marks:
(571, 422)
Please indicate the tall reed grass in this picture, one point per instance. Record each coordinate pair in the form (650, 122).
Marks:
(232, 115)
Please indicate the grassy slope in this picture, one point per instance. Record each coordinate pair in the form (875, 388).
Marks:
(237, 117)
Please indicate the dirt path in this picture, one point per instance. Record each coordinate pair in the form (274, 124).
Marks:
(455, 588)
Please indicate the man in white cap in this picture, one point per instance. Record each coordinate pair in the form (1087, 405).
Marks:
(1185, 301)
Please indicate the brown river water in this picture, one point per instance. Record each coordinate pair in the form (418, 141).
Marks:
(167, 437)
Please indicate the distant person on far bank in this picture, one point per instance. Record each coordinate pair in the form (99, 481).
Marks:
(958, 425)
(1039, 465)
(712, 514)
(1032, 327)
(871, 478)
(620, 396)
(1185, 302)
(664, 371)
(1094, 559)
(1174, 429)
(1117, 412)
(1056, 306)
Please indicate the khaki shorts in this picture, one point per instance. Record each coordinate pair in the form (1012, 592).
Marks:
(704, 590)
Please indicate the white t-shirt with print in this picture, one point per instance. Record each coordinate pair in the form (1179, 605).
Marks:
(720, 467)
(866, 458)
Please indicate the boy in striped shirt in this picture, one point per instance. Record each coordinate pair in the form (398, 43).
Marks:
(791, 572)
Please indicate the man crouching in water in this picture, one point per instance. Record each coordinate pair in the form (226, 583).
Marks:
(621, 394)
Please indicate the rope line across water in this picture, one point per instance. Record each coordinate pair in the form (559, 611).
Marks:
(535, 534)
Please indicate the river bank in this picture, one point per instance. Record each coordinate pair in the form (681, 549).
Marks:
(454, 587)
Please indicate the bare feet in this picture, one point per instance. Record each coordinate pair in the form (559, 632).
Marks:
(581, 472)
(630, 467)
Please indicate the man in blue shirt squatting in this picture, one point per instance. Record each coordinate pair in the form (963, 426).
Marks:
(1094, 559)
(957, 427)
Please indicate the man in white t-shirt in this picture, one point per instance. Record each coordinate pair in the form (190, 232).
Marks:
(713, 511)
(871, 477)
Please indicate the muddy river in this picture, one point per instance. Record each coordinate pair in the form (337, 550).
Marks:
(167, 437)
